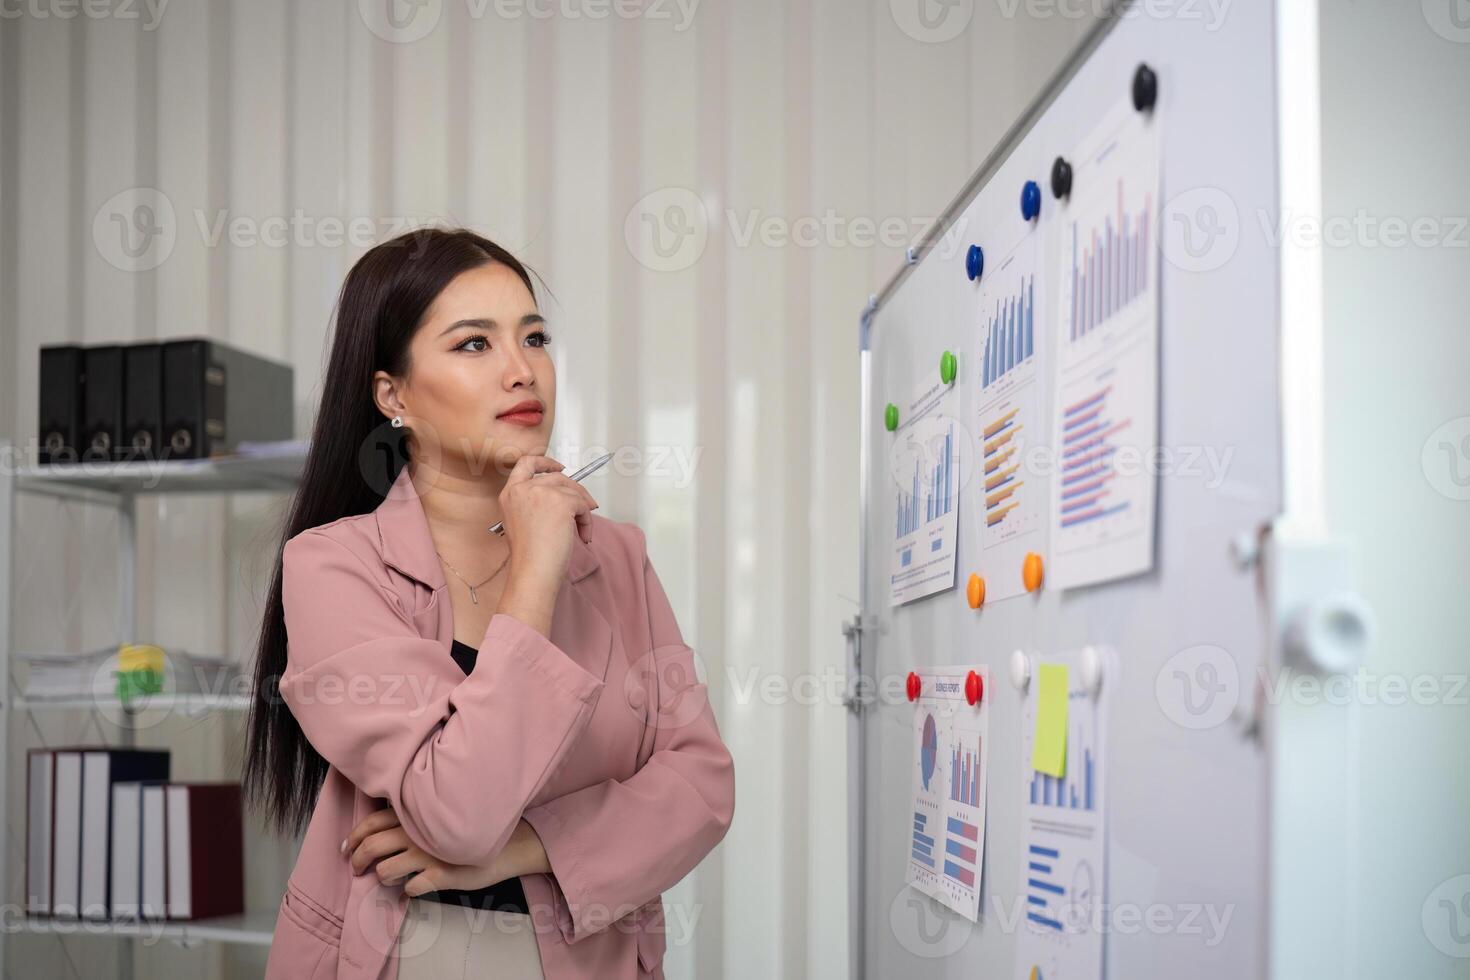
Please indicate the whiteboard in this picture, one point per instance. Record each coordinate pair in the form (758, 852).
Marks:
(1187, 815)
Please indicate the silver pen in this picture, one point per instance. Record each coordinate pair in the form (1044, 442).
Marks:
(499, 526)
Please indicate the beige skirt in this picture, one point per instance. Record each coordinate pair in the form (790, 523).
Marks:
(446, 941)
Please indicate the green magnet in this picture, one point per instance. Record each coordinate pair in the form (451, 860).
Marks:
(946, 367)
(890, 416)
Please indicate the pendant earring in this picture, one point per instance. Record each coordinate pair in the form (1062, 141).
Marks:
(398, 421)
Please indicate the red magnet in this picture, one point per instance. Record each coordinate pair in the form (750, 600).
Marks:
(974, 688)
(913, 686)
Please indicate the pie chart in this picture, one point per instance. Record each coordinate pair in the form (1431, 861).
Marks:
(928, 750)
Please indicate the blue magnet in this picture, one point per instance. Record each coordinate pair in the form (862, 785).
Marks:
(974, 262)
(1030, 200)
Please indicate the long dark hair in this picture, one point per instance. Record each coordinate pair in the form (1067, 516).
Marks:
(353, 459)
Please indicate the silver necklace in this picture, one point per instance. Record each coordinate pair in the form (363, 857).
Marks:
(473, 598)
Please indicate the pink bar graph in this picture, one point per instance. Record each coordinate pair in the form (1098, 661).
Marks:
(1109, 266)
(964, 775)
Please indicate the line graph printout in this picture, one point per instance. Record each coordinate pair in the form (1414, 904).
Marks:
(1105, 408)
(1063, 847)
(1009, 503)
(946, 841)
(928, 461)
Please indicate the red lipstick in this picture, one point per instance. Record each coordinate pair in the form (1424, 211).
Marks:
(528, 413)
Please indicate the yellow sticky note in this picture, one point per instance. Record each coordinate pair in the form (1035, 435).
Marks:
(1049, 747)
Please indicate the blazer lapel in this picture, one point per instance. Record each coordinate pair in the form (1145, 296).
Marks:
(579, 626)
(403, 534)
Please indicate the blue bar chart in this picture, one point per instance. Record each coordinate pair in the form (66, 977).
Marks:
(1076, 790)
(923, 842)
(1045, 894)
(1010, 332)
(1007, 326)
(931, 490)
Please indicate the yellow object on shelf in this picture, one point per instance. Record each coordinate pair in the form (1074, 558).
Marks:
(139, 670)
(139, 656)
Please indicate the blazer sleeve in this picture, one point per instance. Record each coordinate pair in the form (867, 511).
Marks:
(457, 756)
(618, 844)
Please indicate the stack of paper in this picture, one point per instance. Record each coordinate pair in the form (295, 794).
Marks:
(88, 675)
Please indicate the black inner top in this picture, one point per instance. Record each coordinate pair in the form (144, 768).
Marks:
(507, 895)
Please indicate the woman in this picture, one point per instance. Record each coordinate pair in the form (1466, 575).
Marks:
(498, 744)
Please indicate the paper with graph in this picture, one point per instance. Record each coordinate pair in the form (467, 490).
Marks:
(946, 842)
(927, 461)
(1009, 501)
(1063, 825)
(1105, 399)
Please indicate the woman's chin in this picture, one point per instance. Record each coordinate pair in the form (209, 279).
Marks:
(509, 451)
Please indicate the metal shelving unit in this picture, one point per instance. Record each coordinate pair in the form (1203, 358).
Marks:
(254, 928)
(118, 485)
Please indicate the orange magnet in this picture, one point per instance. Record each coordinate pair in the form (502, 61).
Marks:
(975, 591)
(1031, 575)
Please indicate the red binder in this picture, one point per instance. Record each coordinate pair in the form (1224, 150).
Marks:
(206, 848)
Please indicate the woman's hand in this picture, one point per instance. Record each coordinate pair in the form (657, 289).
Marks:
(380, 838)
(540, 508)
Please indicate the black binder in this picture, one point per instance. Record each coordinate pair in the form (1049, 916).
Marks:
(60, 414)
(102, 400)
(215, 397)
(143, 402)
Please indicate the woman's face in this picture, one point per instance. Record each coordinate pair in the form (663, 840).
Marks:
(481, 386)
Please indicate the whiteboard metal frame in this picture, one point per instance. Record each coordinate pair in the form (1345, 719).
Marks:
(1003, 149)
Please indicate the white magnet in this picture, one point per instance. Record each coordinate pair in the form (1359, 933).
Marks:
(1245, 548)
(1020, 669)
(1090, 662)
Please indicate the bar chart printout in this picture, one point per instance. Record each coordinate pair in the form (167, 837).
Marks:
(925, 846)
(1105, 412)
(928, 461)
(930, 493)
(1008, 320)
(1010, 498)
(1063, 846)
(1011, 336)
(947, 839)
(1008, 504)
(964, 772)
(965, 818)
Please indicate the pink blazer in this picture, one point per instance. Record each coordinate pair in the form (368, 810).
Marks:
(601, 737)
